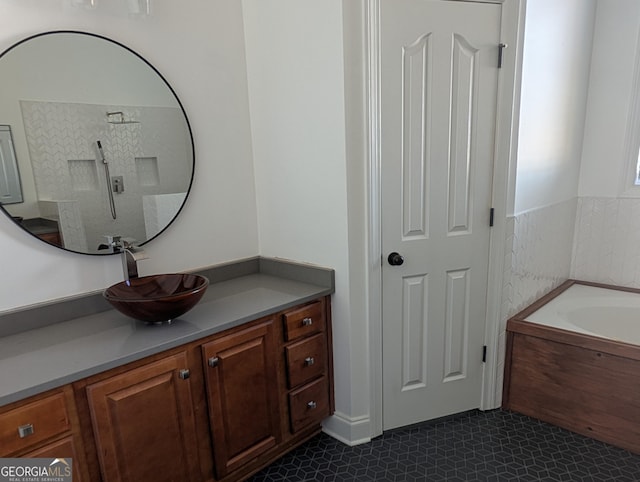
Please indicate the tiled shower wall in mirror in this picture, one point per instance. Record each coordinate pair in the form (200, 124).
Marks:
(141, 145)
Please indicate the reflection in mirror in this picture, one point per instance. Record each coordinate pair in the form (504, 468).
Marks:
(10, 188)
(103, 145)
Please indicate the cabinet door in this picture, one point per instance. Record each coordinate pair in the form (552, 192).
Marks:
(144, 423)
(242, 392)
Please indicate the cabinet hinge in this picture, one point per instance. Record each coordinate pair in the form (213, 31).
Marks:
(491, 214)
(501, 48)
(484, 354)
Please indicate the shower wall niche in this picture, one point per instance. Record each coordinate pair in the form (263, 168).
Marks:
(142, 145)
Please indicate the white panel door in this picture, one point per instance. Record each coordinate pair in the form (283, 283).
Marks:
(438, 102)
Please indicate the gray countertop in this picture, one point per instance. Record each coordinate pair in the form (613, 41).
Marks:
(53, 355)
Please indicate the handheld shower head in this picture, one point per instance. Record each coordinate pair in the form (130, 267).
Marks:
(108, 176)
(102, 158)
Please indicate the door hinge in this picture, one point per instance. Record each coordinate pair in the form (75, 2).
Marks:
(501, 48)
(484, 354)
(491, 214)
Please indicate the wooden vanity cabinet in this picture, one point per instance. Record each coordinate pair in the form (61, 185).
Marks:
(44, 426)
(269, 385)
(216, 409)
(242, 393)
(144, 424)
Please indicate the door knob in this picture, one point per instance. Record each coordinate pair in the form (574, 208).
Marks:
(395, 259)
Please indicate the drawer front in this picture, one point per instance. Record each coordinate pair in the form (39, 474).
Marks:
(309, 404)
(304, 321)
(306, 360)
(32, 423)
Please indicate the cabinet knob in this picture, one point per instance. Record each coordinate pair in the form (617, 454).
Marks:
(307, 321)
(309, 361)
(213, 361)
(25, 430)
(184, 374)
(311, 405)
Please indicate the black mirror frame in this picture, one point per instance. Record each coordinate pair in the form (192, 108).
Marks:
(184, 113)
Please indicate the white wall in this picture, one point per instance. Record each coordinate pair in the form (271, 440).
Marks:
(607, 239)
(558, 40)
(297, 99)
(556, 60)
(555, 71)
(614, 55)
(199, 48)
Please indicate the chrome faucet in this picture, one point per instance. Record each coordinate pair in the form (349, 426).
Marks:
(131, 254)
(130, 257)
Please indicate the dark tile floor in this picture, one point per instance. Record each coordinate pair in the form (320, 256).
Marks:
(476, 446)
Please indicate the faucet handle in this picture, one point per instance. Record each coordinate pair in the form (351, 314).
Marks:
(115, 242)
(128, 243)
(120, 242)
(112, 238)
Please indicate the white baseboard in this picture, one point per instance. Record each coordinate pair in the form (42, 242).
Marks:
(348, 430)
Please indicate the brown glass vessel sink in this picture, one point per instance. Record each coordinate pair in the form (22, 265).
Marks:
(157, 298)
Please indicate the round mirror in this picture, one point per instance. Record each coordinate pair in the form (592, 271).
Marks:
(94, 143)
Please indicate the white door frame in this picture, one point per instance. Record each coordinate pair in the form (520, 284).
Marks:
(512, 31)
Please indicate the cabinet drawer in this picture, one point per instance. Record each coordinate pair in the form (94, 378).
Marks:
(309, 404)
(304, 321)
(306, 360)
(32, 423)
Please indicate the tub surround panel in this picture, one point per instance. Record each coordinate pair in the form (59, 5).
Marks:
(537, 259)
(86, 342)
(554, 382)
(584, 383)
(607, 241)
(593, 239)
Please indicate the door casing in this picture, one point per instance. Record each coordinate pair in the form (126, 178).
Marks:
(503, 195)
